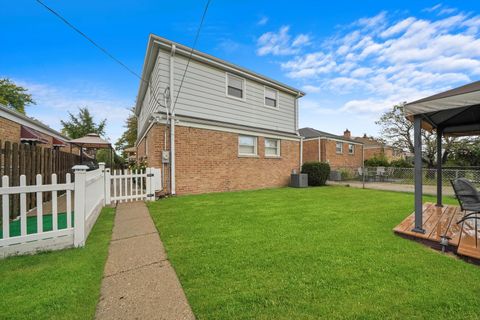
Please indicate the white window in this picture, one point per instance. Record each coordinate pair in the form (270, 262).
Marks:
(351, 148)
(235, 87)
(339, 147)
(247, 145)
(271, 97)
(272, 147)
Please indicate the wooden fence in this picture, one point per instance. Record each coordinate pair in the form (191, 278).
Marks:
(23, 159)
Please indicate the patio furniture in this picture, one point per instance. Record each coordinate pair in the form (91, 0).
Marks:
(380, 174)
(468, 197)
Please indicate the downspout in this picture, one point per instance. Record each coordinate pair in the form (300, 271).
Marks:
(301, 153)
(296, 130)
(172, 122)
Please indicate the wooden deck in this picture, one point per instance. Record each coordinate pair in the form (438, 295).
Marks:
(463, 238)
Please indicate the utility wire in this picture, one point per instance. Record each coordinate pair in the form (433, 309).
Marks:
(191, 52)
(105, 51)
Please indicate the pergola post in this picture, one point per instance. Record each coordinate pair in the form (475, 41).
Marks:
(439, 167)
(417, 138)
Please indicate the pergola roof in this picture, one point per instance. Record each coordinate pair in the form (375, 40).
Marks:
(456, 111)
(91, 140)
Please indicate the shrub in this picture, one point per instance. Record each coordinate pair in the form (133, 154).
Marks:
(347, 174)
(378, 160)
(318, 172)
(401, 163)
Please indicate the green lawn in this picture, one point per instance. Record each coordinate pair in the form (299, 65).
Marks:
(57, 285)
(310, 253)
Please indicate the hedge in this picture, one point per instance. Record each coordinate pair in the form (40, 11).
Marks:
(318, 172)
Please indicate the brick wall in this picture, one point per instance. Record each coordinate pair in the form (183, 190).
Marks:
(329, 154)
(387, 151)
(343, 160)
(208, 161)
(9, 130)
(310, 150)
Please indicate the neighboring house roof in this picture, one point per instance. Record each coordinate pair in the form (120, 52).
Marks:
(371, 143)
(131, 149)
(155, 42)
(310, 133)
(34, 124)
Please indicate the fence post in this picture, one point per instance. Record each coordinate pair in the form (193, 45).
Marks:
(149, 185)
(79, 205)
(108, 199)
(101, 166)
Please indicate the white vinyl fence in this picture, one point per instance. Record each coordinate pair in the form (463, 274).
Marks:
(133, 185)
(91, 191)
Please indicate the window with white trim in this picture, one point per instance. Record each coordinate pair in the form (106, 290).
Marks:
(247, 145)
(351, 148)
(339, 147)
(235, 87)
(272, 147)
(271, 97)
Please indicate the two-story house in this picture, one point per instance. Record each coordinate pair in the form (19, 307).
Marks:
(341, 152)
(217, 126)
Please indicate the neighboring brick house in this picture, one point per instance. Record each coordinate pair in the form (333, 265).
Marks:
(18, 128)
(341, 152)
(373, 147)
(232, 129)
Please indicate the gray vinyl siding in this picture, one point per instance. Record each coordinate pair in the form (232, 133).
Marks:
(160, 81)
(203, 96)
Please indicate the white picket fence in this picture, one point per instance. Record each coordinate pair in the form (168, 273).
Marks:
(91, 191)
(133, 185)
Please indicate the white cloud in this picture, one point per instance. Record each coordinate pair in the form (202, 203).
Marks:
(280, 43)
(380, 61)
(54, 103)
(262, 21)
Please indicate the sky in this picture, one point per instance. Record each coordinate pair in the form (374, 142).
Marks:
(354, 59)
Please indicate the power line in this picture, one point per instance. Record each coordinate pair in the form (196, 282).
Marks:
(90, 40)
(105, 51)
(191, 52)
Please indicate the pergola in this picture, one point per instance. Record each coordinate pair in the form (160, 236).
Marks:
(454, 112)
(92, 140)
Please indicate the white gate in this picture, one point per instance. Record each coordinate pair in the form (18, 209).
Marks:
(132, 185)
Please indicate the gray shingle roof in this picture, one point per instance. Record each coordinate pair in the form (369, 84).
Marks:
(309, 133)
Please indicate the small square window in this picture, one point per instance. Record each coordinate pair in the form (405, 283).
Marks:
(272, 147)
(351, 149)
(271, 97)
(339, 147)
(247, 145)
(235, 86)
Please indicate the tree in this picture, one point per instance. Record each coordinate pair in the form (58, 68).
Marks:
(129, 137)
(397, 130)
(82, 124)
(13, 96)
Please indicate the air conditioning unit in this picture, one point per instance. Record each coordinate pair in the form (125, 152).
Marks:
(299, 180)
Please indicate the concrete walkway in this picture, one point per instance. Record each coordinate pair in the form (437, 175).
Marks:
(139, 282)
(427, 189)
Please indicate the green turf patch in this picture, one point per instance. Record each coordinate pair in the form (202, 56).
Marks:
(32, 224)
(315, 253)
(61, 284)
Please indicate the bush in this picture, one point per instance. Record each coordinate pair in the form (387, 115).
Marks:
(401, 163)
(318, 172)
(378, 160)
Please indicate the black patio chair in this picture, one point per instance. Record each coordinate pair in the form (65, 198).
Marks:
(468, 197)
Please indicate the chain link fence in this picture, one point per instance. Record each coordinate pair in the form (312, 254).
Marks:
(401, 179)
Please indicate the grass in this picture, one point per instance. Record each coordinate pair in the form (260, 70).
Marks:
(32, 224)
(310, 253)
(59, 284)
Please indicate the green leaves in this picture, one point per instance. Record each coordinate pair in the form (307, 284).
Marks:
(13, 96)
(82, 124)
